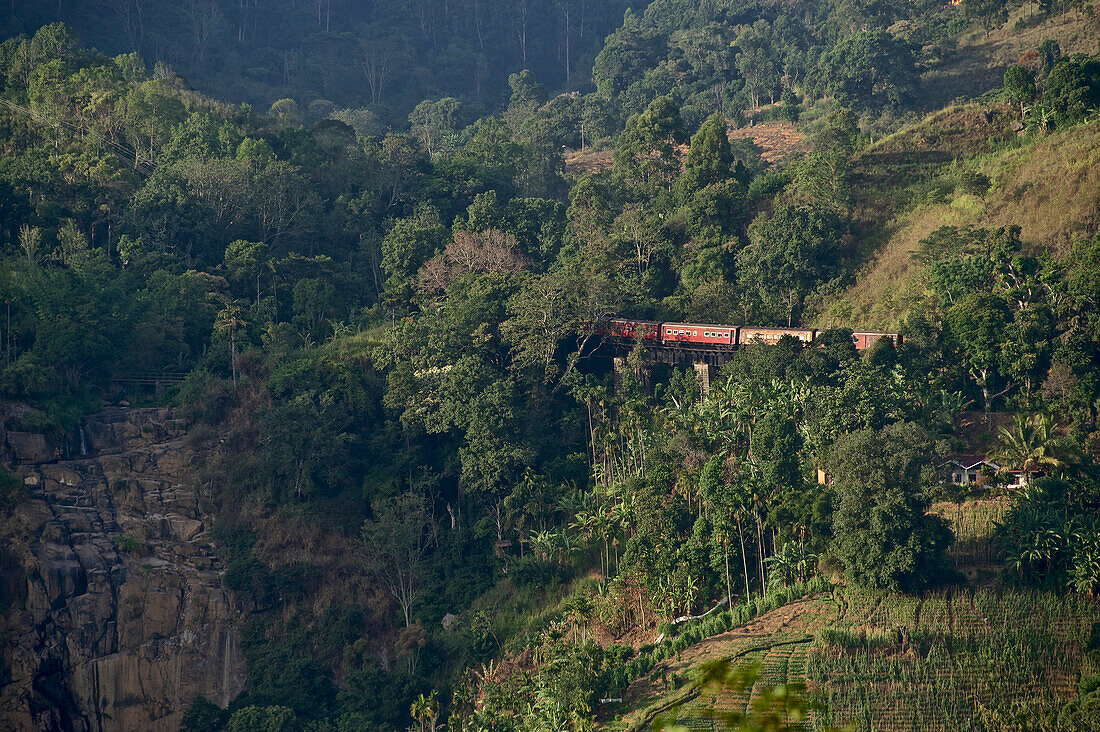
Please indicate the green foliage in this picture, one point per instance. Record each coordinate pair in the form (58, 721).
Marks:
(1019, 86)
(204, 716)
(869, 70)
(790, 253)
(646, 159)
(883, 533)
(1050, 536)
(774, 708)
(395, 542)
(1072, 88)
(390, 337)
(127, 543)
(384, 60)
(709, 159)
(12, 491)
(757, 61)
(263, 719)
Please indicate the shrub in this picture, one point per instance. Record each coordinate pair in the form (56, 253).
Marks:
(127, 544)
(531, 571)
(1088, 684)
(973, 183)
(12, 491)
(203, 716)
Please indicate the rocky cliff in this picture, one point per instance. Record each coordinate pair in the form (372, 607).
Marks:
(114, 609)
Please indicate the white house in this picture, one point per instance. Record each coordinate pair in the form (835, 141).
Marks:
(966, 470)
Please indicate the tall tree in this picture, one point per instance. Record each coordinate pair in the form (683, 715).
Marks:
(1019, 86)
(869, 70)
(789, 253)
(395, 542)
(647, 154)
(881, 529)
(975, 324)
(709, 159)
(757, 61)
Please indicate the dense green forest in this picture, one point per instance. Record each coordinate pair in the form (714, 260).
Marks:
(353, 227)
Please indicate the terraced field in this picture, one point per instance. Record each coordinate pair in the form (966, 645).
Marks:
(901, 663)
(779, 641)
(891, 662)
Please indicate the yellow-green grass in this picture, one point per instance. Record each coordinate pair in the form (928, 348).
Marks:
(1048, 186)
(977, 63)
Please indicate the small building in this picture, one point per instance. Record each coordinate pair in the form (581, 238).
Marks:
(965, 469)
(1017, 478)
(968, 469)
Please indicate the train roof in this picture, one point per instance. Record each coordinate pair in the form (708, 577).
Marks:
(698, 325)
(776, 330)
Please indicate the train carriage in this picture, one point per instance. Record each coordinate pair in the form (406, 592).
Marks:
(673, 334)
(649, 330)
(866, 339)
(771, 336)
(718, 337)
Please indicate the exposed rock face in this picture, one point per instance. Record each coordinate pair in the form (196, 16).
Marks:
(116, 614)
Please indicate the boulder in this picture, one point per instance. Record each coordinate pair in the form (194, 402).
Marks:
(30, 447)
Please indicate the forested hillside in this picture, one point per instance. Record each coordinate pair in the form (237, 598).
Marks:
(368, 248)
(376, 60)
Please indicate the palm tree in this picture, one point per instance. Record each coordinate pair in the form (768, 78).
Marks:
(1030, 445)
(425, 711)
(229, 319)
(580, 612)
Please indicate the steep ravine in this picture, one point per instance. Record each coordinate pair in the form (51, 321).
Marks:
(115, 613)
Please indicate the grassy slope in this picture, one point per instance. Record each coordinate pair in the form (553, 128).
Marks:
(893, 662)
(978, 61)
(1049, 186)
(903, 184)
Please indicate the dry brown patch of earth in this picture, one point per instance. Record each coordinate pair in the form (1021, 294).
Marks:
(776, 140)
(588, 162)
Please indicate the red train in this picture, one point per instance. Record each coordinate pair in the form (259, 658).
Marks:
(700, 334)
